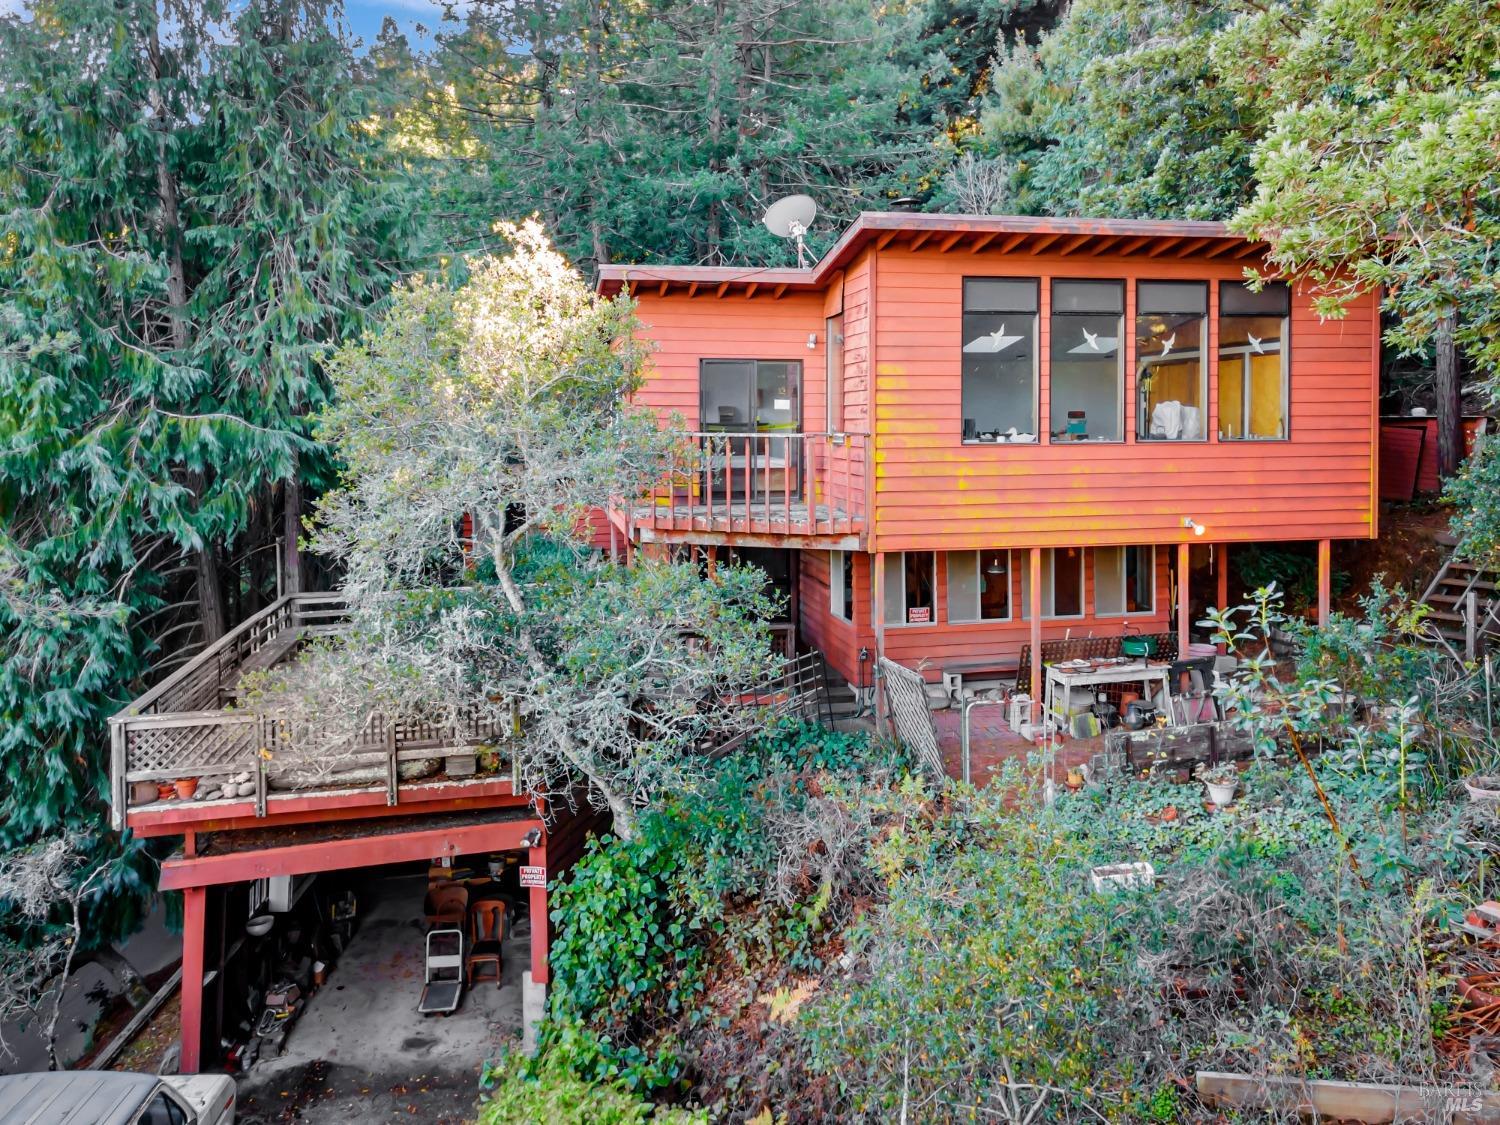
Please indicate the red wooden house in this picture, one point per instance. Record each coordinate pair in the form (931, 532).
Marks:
(959, 435)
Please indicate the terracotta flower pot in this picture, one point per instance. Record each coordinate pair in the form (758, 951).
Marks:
(186, 786)
(165, 791)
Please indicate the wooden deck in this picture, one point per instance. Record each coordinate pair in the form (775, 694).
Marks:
(185, 727)
(816, 526)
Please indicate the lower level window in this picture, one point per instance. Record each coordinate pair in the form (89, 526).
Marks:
(1124, 580)
(978, 585)
(1062, 583)
(909, 587)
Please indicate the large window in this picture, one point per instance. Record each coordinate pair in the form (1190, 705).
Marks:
(1171, 369)
(841, 584)
(978, 585)
(999, 359)
(750, 395)
(1062, 583)
(1087, 378)
(1124, 580)
(835, 354)
(909, 583)
(1253, 393)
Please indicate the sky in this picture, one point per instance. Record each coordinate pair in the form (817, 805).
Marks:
(364, 17)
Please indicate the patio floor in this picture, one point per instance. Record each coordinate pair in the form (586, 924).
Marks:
(992, 743)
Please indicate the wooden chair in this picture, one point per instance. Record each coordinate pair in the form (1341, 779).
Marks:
(446, 906)
(486, 931)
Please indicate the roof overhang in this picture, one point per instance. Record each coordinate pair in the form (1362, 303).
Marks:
(958, 235)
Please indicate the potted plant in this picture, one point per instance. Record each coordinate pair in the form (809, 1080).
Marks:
(1075, 779)
(1221, 781)
(186, 787)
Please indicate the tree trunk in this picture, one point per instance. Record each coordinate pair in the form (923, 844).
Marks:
(206, 563)
(624, 814)
(1449, 400)
(291, 528)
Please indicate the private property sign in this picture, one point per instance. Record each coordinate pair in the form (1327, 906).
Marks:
(533, 876)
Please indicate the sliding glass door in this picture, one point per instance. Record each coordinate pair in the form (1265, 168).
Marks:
(750, 401)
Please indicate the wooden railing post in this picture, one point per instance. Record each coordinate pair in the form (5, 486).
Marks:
(392, 772)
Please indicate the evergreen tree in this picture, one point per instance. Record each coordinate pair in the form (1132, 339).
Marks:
(186, 221)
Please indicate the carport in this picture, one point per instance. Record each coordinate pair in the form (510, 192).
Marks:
(243, 856)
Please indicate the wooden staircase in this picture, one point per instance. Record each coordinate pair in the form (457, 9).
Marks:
(1464, 599)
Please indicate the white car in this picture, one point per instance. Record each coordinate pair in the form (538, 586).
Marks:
(101, 1097)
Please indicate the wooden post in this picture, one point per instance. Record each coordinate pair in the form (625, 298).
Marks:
(1036, 633)
(1222, 550)
(1184, 567)
(194, 904)
(1325, 579)
(877, 615)
(537, 857)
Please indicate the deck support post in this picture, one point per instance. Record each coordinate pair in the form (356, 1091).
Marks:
(877, 615)
(194, 911)
(1035, 563)
(1222, 551)
(1325, 580)
(1184, 602)
(537, 857)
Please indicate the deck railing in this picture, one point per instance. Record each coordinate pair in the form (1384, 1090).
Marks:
(767, 482)
(181, 728)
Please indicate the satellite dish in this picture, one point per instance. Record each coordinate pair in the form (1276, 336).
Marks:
(790, 218)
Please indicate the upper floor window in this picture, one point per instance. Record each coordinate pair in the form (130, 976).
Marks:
(1171, 368)
(999, 359)
(909, 585)
(1124, 580)
(978, 585)
(835, 357)
(1087, 377)
(1062, 583)
(841, 584)
(750, 395)
(1253, 390)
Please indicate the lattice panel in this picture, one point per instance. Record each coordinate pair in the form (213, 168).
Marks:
(906, 694)
(196, 746)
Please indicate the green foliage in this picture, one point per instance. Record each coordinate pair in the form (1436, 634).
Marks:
(528, 1091)
(1117, 112)
(1378, 165)
(659, 132)
(189, 212)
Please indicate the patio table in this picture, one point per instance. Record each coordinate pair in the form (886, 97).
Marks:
(1064, 680)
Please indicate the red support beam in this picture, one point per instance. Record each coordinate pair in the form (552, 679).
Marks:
(1222, 551)
(181, 873)
(1036, 634)
(1184, 567)
(194, 900)
(1325, 580)
(300, 808)
(540, 923)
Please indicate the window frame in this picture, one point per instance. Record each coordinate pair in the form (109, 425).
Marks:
(1205, 384)
(1036, 350)
(1049, 586)
(841, 594)
(1284, 349)
(1120, 369)
(750, 425)
(903, 623)
(1010, 609)
(1100, 611)
(833, 360)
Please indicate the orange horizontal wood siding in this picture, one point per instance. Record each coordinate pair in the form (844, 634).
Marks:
(933, 491)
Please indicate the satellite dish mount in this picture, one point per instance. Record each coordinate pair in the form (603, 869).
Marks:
(790, 218)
